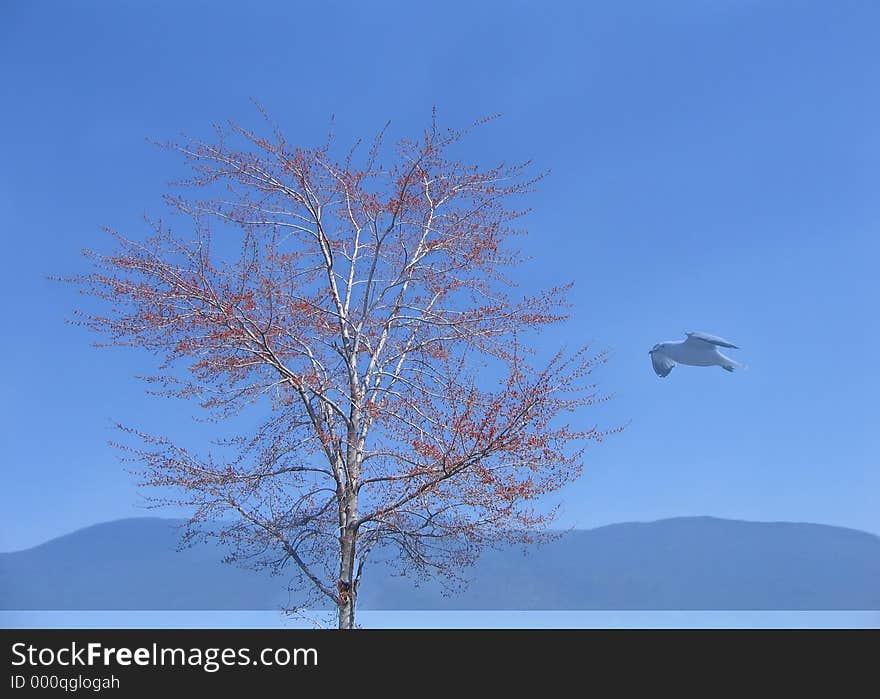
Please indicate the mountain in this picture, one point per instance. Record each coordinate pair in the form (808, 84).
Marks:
(682, 563)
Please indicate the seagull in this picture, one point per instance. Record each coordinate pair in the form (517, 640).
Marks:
(699, 349)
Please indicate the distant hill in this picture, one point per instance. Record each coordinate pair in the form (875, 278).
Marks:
(683, 563)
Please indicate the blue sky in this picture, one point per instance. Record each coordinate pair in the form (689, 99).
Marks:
(714, 166)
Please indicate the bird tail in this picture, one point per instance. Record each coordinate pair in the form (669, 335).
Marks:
(732, 364)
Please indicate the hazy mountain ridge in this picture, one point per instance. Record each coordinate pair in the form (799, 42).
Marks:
(681, 563)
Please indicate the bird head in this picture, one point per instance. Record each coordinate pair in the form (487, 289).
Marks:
(657, 348)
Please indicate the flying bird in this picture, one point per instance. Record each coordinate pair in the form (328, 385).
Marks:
(699, 349)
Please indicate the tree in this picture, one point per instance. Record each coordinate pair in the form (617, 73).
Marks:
(363, 311)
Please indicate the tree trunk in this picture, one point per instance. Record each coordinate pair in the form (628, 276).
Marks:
(348, 511)
(346, 613)
(347, 589)
(345, 585)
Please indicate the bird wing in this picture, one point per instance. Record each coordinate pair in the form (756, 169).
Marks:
(662, 364)
(698, 337)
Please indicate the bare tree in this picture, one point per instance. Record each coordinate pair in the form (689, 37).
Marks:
(364, 311)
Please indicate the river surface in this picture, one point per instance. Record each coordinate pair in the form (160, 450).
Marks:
(588, 619)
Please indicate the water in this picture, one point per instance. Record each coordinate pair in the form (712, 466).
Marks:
(588, 619)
